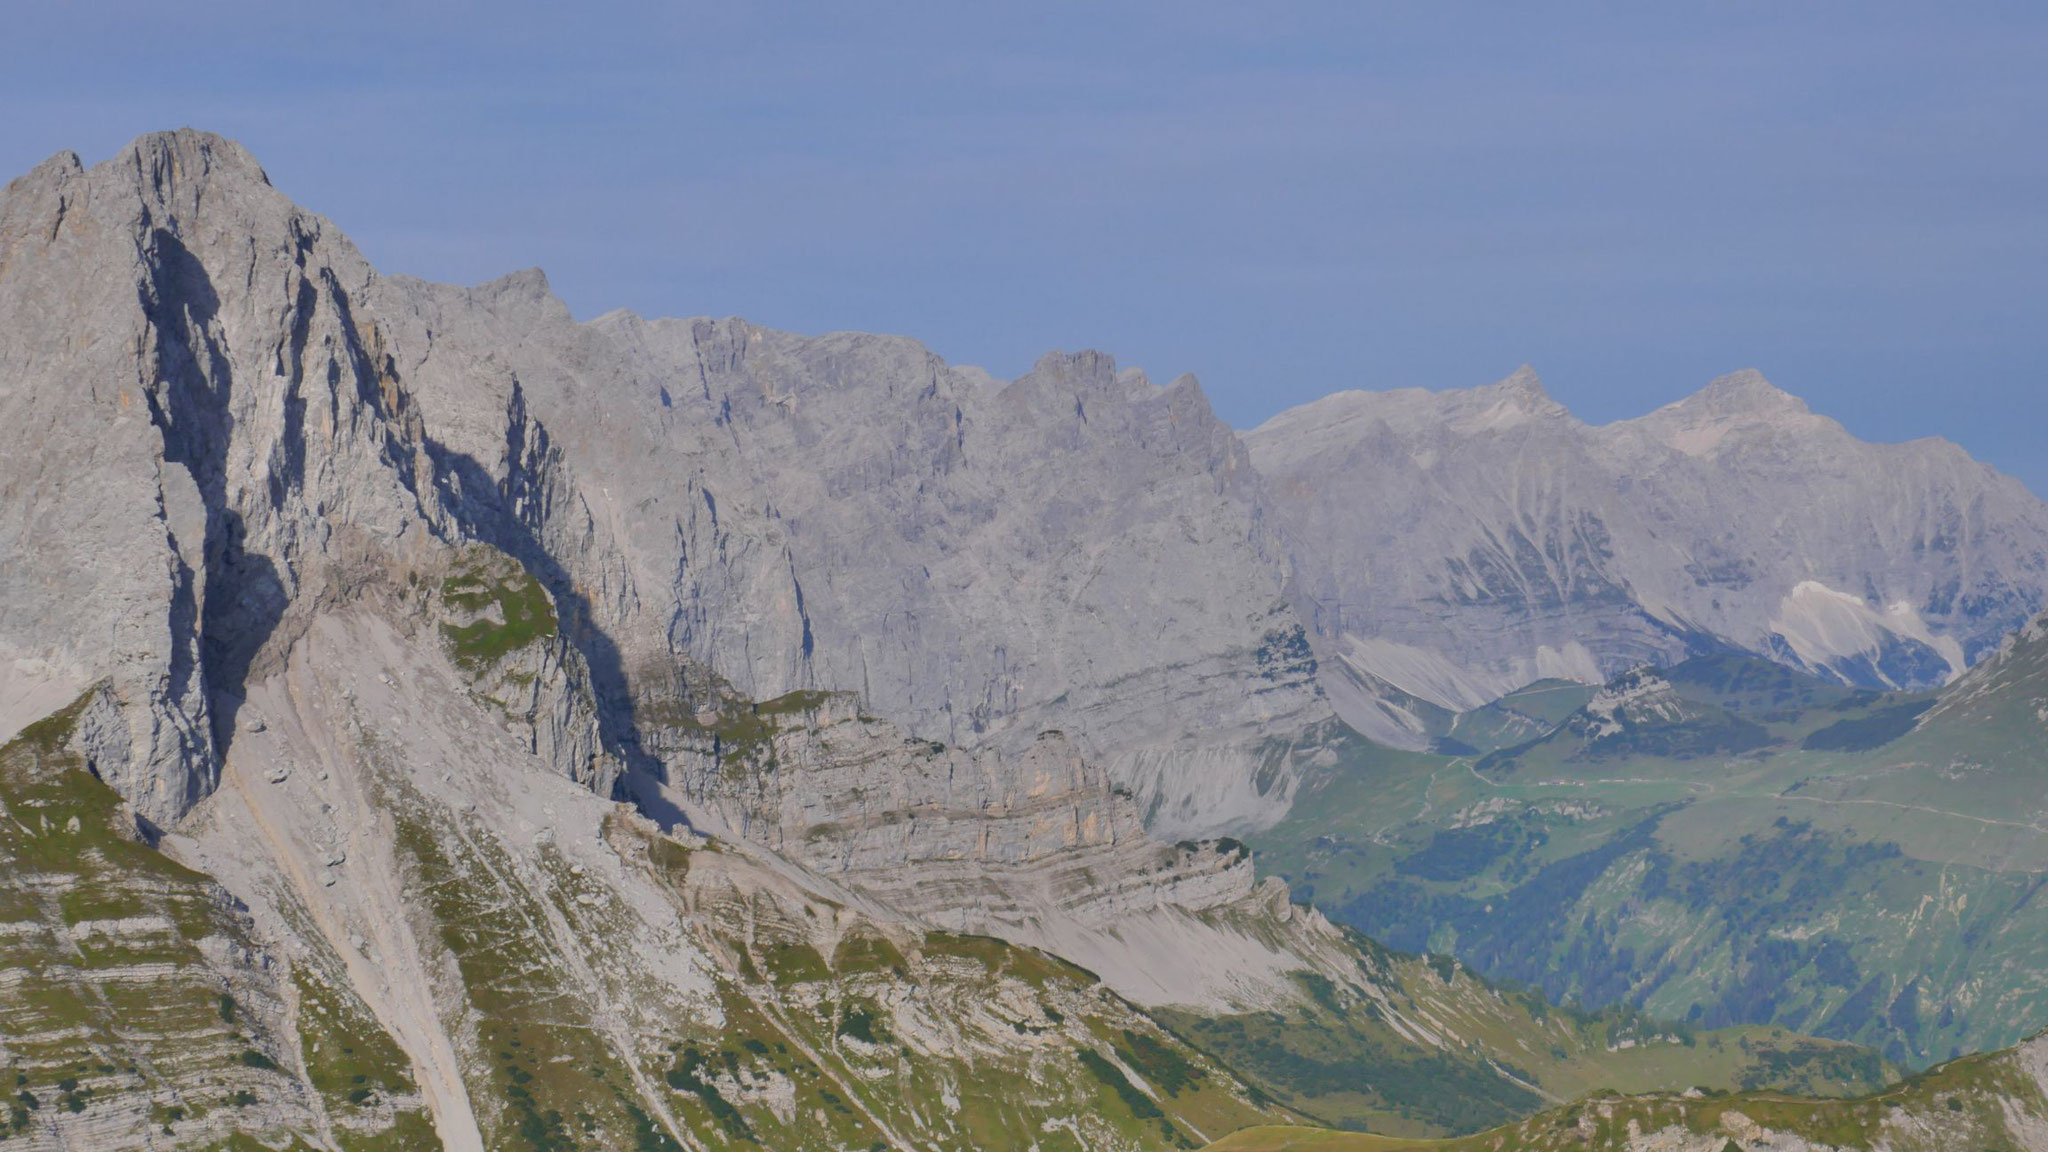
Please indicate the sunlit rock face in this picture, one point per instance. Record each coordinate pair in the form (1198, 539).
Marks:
(1457, 545)
(264, 418)
(978, 562)
(199, 430)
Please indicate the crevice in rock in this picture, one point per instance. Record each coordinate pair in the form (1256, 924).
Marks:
(510, 516)
(241, 598)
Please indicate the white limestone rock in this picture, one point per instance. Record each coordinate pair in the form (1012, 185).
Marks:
(1458, 545)
(215, 416)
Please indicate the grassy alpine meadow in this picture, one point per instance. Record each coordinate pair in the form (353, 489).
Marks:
(1993, 1102)
(1731, 844)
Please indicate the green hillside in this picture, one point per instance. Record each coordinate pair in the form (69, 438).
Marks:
(1725, 843)
(1423, 1047)
(1988, 1103)
(138, 1005)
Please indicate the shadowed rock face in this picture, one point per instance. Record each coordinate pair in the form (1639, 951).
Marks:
(198, 432)
(1457, 545)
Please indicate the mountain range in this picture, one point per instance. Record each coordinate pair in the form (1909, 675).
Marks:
(1449, 548)
(433, 721)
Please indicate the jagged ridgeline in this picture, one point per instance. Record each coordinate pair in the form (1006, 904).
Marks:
(430, 721)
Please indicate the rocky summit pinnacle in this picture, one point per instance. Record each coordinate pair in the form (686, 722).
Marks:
(1524, 382)
(1745, 392)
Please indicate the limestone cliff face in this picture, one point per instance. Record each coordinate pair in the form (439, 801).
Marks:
(268, 424)
(1457, 545)
(199, 433)
(765, 513)
(1041, 846)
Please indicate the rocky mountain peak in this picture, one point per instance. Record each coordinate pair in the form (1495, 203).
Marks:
(1080, 383)
(523, 293)
(1523, 384)
(165, 165)
(1086, 370)
(1737, 403)
(1745, 393)
(1518, 398)
(57, 169)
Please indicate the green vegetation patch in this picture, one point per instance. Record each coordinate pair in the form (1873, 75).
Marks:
(1159, 1062)
(1349, 1070)
(1963, 1106)
(688, 1075)
(1002, 958)
(81, 1032)
(740, 732)
(356, 1066)
(1864, 733)
(506, 609)
(550, 1081)
(1110, 1075)
(867, 952)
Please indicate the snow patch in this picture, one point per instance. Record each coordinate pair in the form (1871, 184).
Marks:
(1574, 661)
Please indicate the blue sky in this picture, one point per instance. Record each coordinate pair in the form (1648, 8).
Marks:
(1633, 198)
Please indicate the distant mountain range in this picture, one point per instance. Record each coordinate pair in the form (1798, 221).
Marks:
(1452, 547)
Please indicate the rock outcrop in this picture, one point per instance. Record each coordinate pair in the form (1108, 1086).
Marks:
(1042, 847)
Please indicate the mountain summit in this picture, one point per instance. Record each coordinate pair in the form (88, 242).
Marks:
(1744, 393)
